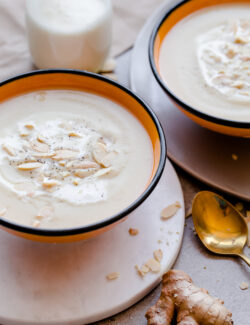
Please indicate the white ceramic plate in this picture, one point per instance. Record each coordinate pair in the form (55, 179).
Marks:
(65, 284)
(204, 154)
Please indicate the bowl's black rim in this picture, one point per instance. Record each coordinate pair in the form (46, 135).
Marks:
(113, 219)
(188, 108)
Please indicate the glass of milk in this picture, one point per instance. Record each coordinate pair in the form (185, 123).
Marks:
(69, 34)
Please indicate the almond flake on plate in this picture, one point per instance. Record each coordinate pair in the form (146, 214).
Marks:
(158, 255)
(244, 286)
(112, 276)
(153, 265)
(170, 211)
(143, 270)
(133, 231)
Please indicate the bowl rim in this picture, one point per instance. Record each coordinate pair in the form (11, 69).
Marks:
(61, 232)
(185, 106)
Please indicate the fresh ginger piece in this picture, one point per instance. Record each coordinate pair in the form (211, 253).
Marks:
(193, 305)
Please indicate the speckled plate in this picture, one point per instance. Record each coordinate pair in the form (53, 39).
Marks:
(204, 154)
(65, 284)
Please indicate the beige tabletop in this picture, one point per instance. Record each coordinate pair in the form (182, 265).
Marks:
(204, 268)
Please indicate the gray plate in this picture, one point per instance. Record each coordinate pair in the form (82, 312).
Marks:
(204, 154)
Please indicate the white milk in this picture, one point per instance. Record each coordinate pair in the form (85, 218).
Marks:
(70, 34)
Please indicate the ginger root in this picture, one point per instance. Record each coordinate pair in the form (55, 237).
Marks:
(193, 305)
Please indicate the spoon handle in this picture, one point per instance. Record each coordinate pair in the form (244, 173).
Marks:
(245, 258)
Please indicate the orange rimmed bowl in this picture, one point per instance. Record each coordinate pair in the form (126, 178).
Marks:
(101, 86)
(160, 31)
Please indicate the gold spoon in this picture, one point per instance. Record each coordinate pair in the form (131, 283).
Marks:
(220, 227)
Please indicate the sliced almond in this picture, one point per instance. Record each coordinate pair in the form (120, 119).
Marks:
(112, 276)
(29, 166)
(74, 134)
(99, 152)
(153, 265)
(82, 164)
(8, 149)
(3, 212)
(29, 126)
(133, 231)
(143, 270)
(62, 163)
(39, 146)
(64, 154)
(24, 133)
(108, 160)
(170, 211)
(50, 183)
(82, 173)
(43, 154)
(65, 174)
(240, 40)
(103, 172)
(102, 156)
(41, 139)
(244, 286)
(158, 255)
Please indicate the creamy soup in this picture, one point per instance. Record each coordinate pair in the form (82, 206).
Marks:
(205, 61)
(69, 159)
